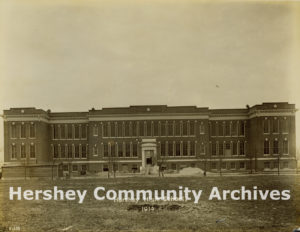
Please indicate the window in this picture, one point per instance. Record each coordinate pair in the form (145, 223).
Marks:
(242, 148)
(192, 149)
(155, 128)
(55, 131)
(185, 148)
(70, 131)
(13, 131)
(192, 128)
(76, 129)
(113, 129)
(112, 150)
(13, 151)
(221, 148)
(32, 130)
(202, 148)
(134, 128)
(227, 149)
(284, 125)
(177, 149)
(266, 126)
(234, 128)
(201, 128)
(95, 130)
(242, 165)
(170, 128)
(163, 129)
(83, 151)
(63, 151)
(95, 150)
(74, 167)
(23, 130)
(163, 149)
(285, 147)
(83, 167)
(76, 151)
(62, 131)
(213, 129)
(232, 165)
(234, 148)
(213, 165)
(177, 128)
(127, 129)
(134, 150)
(170, 149)
(242, 128)
(227, 128)
(65, 168)
(214, 149)
(275, 147)
(120, 149)
(70, 151)
(55, 151)
(223, 165)
(266, 147)
(149, 128)
(23, 151)
(119, 125)
(83, 131)
(266, 165)
(32, 150)
(127, 149)
(141, 128)
(275, 125)
(221, 128)
(184, 128)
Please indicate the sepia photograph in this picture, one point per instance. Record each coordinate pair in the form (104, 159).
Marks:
(149, 115)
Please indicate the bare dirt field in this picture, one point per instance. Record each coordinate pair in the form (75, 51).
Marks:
(94, 215)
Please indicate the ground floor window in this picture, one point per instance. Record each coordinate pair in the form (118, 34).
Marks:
(267, 165)
(213, 165)
(242, 165)
(75, 168)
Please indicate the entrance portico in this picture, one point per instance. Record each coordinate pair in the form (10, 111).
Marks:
(149, 152)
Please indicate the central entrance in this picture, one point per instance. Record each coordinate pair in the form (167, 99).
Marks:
(149, 152)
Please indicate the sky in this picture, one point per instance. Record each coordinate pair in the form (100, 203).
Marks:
(72, 55)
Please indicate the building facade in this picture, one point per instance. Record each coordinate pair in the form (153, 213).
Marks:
(257, 138)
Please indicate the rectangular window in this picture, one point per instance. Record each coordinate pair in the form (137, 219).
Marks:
(95, 150)
(70, 131)
(163, 149)
(127, 129)
(284, 125)
(275, 125)
(141, 128)
(134, 129)
(242, 128)
(201, 128)
(234, 129)
(32, 150)
(83, 151)
(275, 147)
(13, 152)
(214, 149)
(177, 149)
(213, 129)
(192, 128)
(13, 131)
(76, 128)
(266, 147)
(177, 128)
(55, 151)
(266, 123)
(95, 130)
(149, 129)
(227, 128)
(202, 149)
(76, 151)
(63, 151)
(285, 147)
(23, 130)
(232, 165)
(155, 128)
(192, 149)
(267, 165)
(70, 151)
(83, 131)
(242, 165)
(213, 165)
(120, 149)
(234, 148)
(221, 148)
(112, 150)
(120, 129)
(23, 151)
(83, 167)
(105, 150)
(163, 128)
(32, 130)
(62, 131)
(127, 149)
(221, 128)
(74, 167)
(185, 148)
(242, 148)
(170, 128)
(134, 150)
(113, 129)
(170, 149)
(184, 128)
(65, 167)
(56, 131)
(223, 165)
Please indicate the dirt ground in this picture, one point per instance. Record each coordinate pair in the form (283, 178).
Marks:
(93, 215)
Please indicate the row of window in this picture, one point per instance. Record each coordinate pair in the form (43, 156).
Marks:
(227, 128)
(22, 130)
(25, 151)
(228, 165)
(228, 148)
(267, 165)
(75, 167)
(275, 125)
(148, 128)
(276, 147)
(69, 151)
(116, 149)
(178, 148)
(69, 131)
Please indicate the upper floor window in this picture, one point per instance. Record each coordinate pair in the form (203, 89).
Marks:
(170, 149)
(284, 125)
(149, 128)
(221, 148)
(84, 151)
(76, 151)
(70, 131)
(120, 149)
(95, 130)
(76, 130)
(184, 128)
(63, 131)
(192, 148)
(242, 148)
(266, 124)
(13, 130)
(220, 127)
(192, 127)
(275, 147)
(234, 129)
(213, 128)
(23, 130)
(95, 150)
(214, 149)
(275, 125)
(202, 149)
(105, 150)
(285, 146)
(23, 151)
(32, 150)
(227, 128)
(83, 131)
(177, 148)
(242, 128)
(13, 151)
(201, 128)
(185, 148)
(32, 130)
(234, 148)
(135, 150)
(266, 147)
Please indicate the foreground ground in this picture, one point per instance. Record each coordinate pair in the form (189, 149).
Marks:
(95, 215)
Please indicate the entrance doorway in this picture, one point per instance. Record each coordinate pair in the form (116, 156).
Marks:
(149, 161)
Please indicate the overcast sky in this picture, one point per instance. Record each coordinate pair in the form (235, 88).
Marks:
(74, 55)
